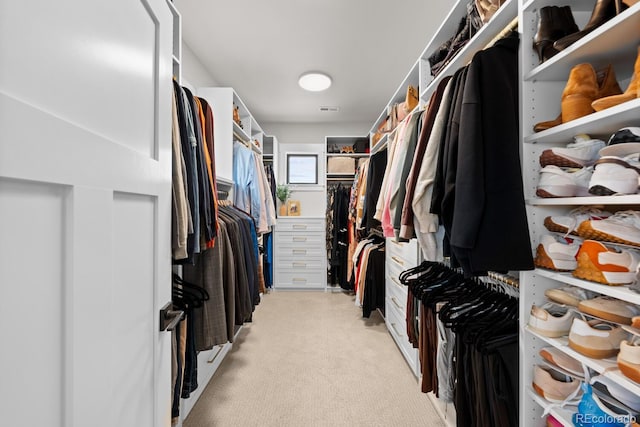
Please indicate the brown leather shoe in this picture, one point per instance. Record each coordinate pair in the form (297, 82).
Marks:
(602, 12)
(554, 23)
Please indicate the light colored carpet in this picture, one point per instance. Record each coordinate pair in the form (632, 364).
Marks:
(310, 359)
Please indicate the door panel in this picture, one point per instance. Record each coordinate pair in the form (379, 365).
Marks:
(85, 205)
(132, 298)
(31, 300)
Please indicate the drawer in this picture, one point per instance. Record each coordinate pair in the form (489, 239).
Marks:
(312, 239)
(397, 328)
(394, 268)
(300, 279)
(299, 264)
(397, 297)
(300, 226)
(301, 251)
(406, 253)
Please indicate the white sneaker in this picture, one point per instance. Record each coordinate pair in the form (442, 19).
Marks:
(558, 182)
(569, 295)
(551, 320)
(616, 175)
(569, 223)
(582, 152)
(558, 255)
(622, 227)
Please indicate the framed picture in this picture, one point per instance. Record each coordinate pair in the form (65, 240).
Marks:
(293, 208)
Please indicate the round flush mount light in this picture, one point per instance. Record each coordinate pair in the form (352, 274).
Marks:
(314, 81)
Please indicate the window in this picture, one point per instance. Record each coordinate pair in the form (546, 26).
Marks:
(302, 168)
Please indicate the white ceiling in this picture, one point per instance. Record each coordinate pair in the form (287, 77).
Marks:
(260, 48)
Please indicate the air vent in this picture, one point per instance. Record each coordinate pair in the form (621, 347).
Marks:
(329, 109)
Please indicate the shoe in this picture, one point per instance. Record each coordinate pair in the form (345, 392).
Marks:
(569, 295)
(597, 263)
(558, 255)
(612, 393)
(630, 94)
(569, 223)
(623, 227)
(553, 422)
(593, 412)
(563, 361)
(557, 182)
(553, 385)
(615, 175)
(623, 142)
(582, 152)
(603, 11)
(629, 358)
(554, 23)
(609, 308)
(596, 339)
(551, 320)
(607, 86)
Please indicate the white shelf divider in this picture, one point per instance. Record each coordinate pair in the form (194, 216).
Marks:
(563, 415)
(628, 199)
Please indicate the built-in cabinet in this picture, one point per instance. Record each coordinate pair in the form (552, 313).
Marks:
(300, 258)
(616, 42)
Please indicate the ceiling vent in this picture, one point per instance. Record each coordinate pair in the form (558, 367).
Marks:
(329, 109)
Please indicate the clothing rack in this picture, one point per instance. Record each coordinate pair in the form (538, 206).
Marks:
(506, 279)
(513, 25)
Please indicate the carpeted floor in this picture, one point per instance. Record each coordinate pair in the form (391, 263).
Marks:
(310, 359)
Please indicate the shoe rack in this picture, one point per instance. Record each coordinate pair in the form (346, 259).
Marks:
(615, 42)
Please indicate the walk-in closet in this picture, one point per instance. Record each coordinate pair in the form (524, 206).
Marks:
(285, 213)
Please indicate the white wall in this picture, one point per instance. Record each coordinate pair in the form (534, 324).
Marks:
(309, 138)
(194, 74)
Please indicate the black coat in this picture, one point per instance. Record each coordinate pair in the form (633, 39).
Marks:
(489, 230)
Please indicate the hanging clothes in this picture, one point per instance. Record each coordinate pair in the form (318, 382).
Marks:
(338, 216)
(480, 354)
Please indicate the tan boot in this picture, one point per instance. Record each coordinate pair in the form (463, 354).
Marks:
(630, 94)
(607, 86)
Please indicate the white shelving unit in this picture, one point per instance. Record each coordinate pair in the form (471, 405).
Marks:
(615, 43)
(222, 100)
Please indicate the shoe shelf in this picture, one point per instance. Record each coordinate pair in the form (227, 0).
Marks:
(606, 367)
(603, 124)
(562, 414)
(614, 42)
(627, 199)
(620, 292)
(533, 5)
(501, 19)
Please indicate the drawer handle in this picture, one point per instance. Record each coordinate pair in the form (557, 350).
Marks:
(299, 251)
(297, 279)
(396, 281)
(299, 239)
(395, 301)
(398, 260)
(300, 264)
(396, 243)
(300, 227)
(393, 325)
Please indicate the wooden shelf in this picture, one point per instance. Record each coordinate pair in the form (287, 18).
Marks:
(620, 292)
(606, 367)
(356, 155)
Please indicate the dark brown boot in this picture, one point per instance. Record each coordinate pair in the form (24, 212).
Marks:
(602, 12)
(554, 23)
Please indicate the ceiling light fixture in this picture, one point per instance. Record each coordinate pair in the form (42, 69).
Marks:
(314, 81)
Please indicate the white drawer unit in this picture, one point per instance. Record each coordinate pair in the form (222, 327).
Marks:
(299, 254)
(399, 257)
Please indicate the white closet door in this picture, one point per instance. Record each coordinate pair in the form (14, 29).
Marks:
(85, 186)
